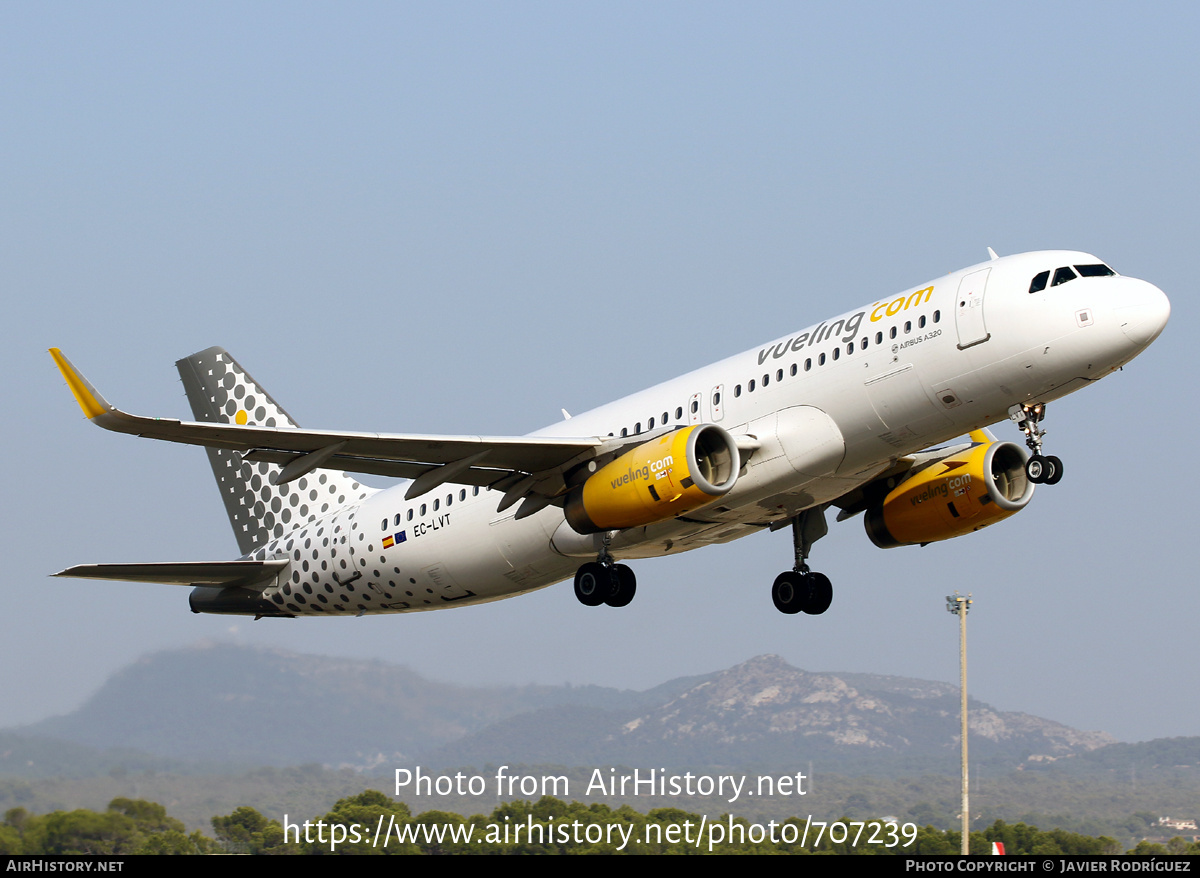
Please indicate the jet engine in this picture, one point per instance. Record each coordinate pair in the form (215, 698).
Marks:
(954, 496)
(659, 479)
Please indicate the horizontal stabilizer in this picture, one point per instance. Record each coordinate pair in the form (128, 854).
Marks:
(214, 574)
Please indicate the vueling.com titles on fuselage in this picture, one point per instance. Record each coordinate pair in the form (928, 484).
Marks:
(847, 326)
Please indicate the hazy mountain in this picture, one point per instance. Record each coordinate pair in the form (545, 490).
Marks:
(260, 706)
(251, 706)
(765, 712)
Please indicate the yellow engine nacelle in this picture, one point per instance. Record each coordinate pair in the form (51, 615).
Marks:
(956, 495)
(660, 479)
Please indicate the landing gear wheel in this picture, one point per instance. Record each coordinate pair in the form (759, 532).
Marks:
(790, 592)
(1056, 467)
(625, 588)
(1038, 469)
(1041, 469)
(593, 584)
(820, 594)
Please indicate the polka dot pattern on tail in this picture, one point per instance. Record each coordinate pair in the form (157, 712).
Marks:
(221, 391)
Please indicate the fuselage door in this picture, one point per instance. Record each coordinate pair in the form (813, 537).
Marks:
(695, 415)
(968, 313)
(344, 529)
(717, 402)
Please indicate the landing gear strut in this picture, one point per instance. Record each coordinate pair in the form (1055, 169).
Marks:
(603, 581)
(801, 590)
(1041, 469)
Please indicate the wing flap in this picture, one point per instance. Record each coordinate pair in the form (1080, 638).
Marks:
(215, 574)
(481, 476)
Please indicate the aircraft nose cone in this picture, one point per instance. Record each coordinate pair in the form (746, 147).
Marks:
(1144, 315)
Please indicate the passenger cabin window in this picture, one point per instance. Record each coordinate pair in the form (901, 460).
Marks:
(737, 391)
(1062, 275)
(679, 413)
(1039, 282)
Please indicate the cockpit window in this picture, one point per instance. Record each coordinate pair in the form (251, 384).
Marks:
(1062, 275)
(1095, 271)
(1039, 282)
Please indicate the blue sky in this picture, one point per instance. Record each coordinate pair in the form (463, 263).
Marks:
(462, 217)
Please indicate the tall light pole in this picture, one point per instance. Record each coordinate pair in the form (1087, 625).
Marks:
(960, 606)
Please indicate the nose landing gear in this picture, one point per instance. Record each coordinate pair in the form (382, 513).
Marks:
(1041, 469)
(801, 590)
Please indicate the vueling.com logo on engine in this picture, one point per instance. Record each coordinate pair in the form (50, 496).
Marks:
(643, 472)
(958, 484)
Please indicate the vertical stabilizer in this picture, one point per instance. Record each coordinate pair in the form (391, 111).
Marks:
(221, 391)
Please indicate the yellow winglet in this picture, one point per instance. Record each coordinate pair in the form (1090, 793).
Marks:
(89, 399)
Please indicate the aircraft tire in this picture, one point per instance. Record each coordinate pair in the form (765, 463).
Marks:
(790, 592)
(1056, 467)
(626, 586)
(1038, 469)
(820, 594)
(593, 584)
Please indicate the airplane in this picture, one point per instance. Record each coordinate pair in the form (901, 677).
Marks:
(852, 413)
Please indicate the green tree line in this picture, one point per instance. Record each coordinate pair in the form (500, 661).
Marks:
(136, 826)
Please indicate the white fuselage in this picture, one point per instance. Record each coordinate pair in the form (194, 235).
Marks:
(821, 412)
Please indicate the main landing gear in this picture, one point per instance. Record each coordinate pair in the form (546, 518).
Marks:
(604, 581)
(801, 590)
(1041, 469)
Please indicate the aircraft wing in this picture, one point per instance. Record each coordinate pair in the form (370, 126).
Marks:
(519, 466)
(856, 501)
(218, 574)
